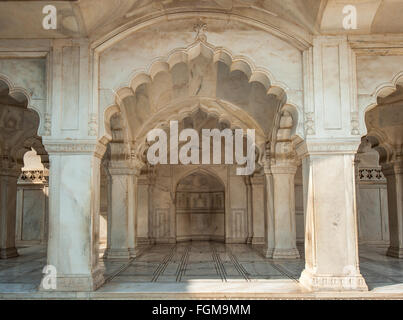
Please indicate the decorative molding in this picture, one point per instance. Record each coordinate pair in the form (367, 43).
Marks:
(47, 126)
(318, 147)
(84, 147)
(319, 282)
(355, 125)
(93, 125)
(309, 123)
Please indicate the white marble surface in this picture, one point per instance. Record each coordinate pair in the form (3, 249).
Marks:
(20, 277)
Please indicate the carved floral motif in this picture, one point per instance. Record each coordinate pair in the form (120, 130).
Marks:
(371, 174)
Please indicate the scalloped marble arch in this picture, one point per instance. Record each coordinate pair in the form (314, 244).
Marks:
(184, 55)
(378, 141)
(21, 94)
(383, 90)
(222, 110)
(203, 170)
(377, 138)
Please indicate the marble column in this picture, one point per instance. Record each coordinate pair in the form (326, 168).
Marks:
(8, 210)
(285, 237)
(250, 209)
(269, 220)
(394, 176)
(331, 248)
(122, 218)
(74, 189)
(257, 184)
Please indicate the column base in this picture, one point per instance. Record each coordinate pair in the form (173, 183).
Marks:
(395, 252)
(8, 253)
(268, 252)
(327, 283)
(132, 253)
(77, 283)
(117, 254)
(286, 254)
(258, 240)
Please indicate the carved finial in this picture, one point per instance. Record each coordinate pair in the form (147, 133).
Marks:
(200, 28)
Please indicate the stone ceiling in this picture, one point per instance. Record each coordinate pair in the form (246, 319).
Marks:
(96, 18)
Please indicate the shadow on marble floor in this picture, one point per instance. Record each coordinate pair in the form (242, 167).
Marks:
(182, 265)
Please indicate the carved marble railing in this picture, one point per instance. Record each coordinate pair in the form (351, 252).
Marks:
(34, 176)
(371, 175)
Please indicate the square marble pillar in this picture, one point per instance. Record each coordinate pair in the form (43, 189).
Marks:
(74, 189)
(331, 248)
(8, 202)
(250, 209)
(269, 211)
(257, 184)
(122, 218)
(394, 176)
(285, 237)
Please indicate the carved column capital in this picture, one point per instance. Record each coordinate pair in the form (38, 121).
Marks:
(286, 168)
(327, 147)
(257, 180)
(79, 147)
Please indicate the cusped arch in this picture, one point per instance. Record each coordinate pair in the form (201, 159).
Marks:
(378, 136)
(136, 87)
(202, 70)
(386, 89)
(382, 91)
(202, 170)
(20, 95)
(225, 112)
(108, 114)
(378, 142)
(218, 54)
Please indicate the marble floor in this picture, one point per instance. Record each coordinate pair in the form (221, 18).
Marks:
(198, 268)
(200, 261)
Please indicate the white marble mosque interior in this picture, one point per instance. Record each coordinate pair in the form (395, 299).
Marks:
(321, 215)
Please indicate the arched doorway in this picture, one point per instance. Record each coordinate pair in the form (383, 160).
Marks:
(200, 208)
(179, 204)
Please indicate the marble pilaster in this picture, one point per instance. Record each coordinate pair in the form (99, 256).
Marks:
(394, 176)
(250, 209)
(122, 218)
(8, 191)
(257, 186)
(269, 221)
(285, 246)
